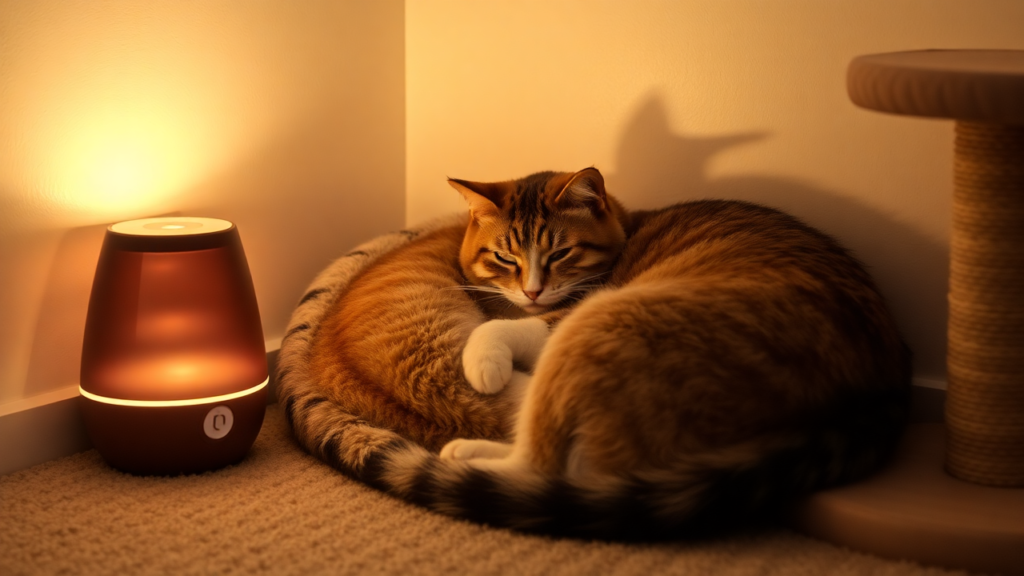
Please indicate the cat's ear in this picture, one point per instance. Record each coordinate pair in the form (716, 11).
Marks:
(585, 189)
(484, 199)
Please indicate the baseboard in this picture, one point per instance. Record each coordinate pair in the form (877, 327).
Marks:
(41, 434)
(50, 426)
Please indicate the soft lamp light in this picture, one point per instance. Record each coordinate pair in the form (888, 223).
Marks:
(174, 369)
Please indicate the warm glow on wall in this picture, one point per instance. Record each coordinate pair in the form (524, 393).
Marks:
(122, 111)
(126, 161)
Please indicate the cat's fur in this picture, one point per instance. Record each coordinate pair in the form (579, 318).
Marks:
(736, 359)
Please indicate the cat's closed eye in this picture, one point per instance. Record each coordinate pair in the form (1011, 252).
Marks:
(506, 258)
(559, 254)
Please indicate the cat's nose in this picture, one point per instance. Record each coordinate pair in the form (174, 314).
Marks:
(533, 295)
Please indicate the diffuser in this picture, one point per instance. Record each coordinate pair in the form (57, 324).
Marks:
(174, 369)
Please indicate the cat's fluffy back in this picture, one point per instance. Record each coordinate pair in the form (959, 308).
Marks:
(748, 327)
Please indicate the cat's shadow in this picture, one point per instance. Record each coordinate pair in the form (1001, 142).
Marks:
(657, 167)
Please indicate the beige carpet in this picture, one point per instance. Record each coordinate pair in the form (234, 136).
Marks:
(282, 512)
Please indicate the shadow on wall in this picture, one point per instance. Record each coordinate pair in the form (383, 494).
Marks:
(657, 167)
(56, 354)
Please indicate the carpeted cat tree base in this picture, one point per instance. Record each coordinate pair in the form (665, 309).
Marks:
(915, 510)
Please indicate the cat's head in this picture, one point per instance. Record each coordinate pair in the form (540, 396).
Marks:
(541, 239)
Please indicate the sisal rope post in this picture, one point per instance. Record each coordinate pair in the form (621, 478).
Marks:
(985, 397)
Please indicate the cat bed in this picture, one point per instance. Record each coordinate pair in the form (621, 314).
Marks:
(325, 288)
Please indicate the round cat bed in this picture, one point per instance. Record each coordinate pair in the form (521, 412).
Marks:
(972, 517)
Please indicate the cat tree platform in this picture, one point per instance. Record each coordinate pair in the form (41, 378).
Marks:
(954, 493)
(914, 510)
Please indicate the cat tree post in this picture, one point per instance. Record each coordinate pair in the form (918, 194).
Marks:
(984, 91)
(985, 397)
(965, 510)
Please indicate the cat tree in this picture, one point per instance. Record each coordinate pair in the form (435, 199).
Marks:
(954, 494)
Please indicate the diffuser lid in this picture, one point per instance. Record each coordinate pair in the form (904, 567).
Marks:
(170, 234)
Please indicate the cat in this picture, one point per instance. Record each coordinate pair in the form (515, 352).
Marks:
(733, 360)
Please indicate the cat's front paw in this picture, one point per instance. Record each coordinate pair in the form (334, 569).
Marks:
(465, 449)
(487, 360)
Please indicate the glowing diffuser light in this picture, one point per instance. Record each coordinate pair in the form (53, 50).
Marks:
(174, 368)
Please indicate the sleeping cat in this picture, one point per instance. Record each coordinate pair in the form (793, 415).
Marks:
(733, 360)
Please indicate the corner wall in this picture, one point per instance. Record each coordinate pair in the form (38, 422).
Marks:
(692, 99)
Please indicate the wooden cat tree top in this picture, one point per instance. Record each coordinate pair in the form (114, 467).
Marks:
(977, 85)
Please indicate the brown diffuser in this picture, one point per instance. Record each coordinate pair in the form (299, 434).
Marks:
(174, 370)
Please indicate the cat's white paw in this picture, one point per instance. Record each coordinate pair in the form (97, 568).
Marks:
(495, 345)
(487, 360)
(465, 449)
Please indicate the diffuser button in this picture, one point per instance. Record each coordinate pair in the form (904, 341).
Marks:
(218, 422)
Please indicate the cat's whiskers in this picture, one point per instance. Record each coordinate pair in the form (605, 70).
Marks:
(472, 287)
(580, 287)
(495, 298)
(575, 296)
(469, 288)
(587, 287)
(591, 277)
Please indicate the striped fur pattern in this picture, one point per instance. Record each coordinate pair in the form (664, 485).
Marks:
(734, 360)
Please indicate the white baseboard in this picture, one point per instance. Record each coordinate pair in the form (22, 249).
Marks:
(41, 433)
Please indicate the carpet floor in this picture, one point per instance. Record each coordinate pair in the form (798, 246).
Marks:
(282, 512)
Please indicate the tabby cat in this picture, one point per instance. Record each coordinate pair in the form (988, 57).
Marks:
(733, 360)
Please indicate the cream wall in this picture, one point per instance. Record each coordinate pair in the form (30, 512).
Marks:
(685, 99)
(285, 117)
